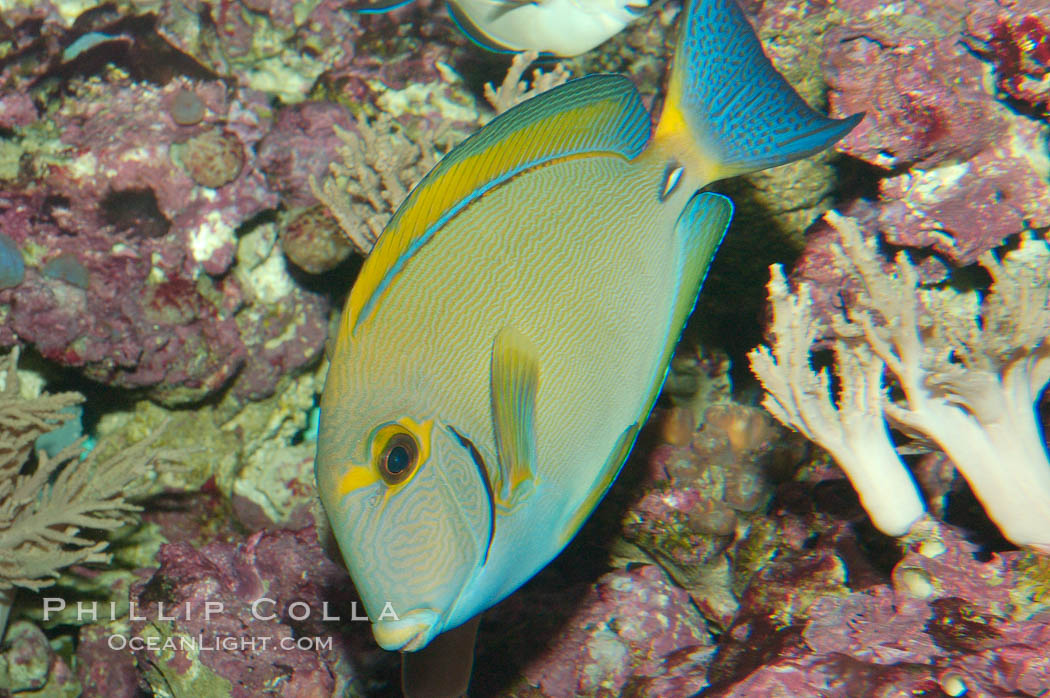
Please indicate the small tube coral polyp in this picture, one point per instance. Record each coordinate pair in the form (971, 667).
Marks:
(969, 371)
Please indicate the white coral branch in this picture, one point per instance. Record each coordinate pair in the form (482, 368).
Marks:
(971, 371)
(854, 432)
(515, 90)
(971, 381)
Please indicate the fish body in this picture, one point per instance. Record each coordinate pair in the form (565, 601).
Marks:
(509, 334)
(444, 354)
(560, 27)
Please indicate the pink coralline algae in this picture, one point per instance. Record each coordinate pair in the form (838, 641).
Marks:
(102, 670)
(632, 632)
(120, 329)
(131, 256)
(949, 624)
(919, 87)
(1015, 36)
(253, 594)
(964, 210)
(702, 492)
(966, 171)
(300, 145)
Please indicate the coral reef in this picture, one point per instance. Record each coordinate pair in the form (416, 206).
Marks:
(181, 189)
(299, 147)
(1015, 36)
(127, 259)
(230, 447)
(29, 666)
(628, 626)
(919, 86)
(101, 670)
(966, 170)
(948, 625)
(704, 492)
(306, 638)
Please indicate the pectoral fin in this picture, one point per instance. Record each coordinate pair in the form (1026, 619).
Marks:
(514, 380)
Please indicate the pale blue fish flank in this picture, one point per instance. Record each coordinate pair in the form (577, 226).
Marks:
(448, 360)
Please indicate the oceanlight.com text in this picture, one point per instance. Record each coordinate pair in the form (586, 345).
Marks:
(224, 643)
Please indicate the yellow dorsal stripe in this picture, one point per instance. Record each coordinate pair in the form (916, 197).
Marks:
(600, 114)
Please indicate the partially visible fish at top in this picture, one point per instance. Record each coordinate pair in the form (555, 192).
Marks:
(509, 333)
(558, 27)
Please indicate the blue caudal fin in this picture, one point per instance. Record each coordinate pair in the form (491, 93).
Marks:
(729, 107)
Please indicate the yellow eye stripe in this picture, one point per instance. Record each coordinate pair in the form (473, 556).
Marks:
(358, 476)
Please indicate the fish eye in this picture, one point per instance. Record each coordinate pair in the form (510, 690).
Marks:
(398, 458)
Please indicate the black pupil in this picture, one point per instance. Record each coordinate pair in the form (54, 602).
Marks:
(398, 459)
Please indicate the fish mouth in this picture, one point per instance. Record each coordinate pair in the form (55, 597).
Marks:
(409, 633)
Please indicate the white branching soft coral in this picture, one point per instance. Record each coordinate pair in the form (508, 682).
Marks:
(854, 431)
(968, 372)
(515, 89)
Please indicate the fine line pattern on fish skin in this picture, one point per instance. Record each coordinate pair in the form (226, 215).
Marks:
(557, 205)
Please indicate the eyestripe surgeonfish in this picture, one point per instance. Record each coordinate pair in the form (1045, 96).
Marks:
(511, 330)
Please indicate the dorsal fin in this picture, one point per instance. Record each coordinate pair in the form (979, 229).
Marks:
(598, 114)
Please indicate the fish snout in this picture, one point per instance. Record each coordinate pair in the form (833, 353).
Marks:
(408, 633)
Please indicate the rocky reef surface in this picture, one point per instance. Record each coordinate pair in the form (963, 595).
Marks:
(186, 191)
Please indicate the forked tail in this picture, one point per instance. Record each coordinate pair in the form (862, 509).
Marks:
(728, 110)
